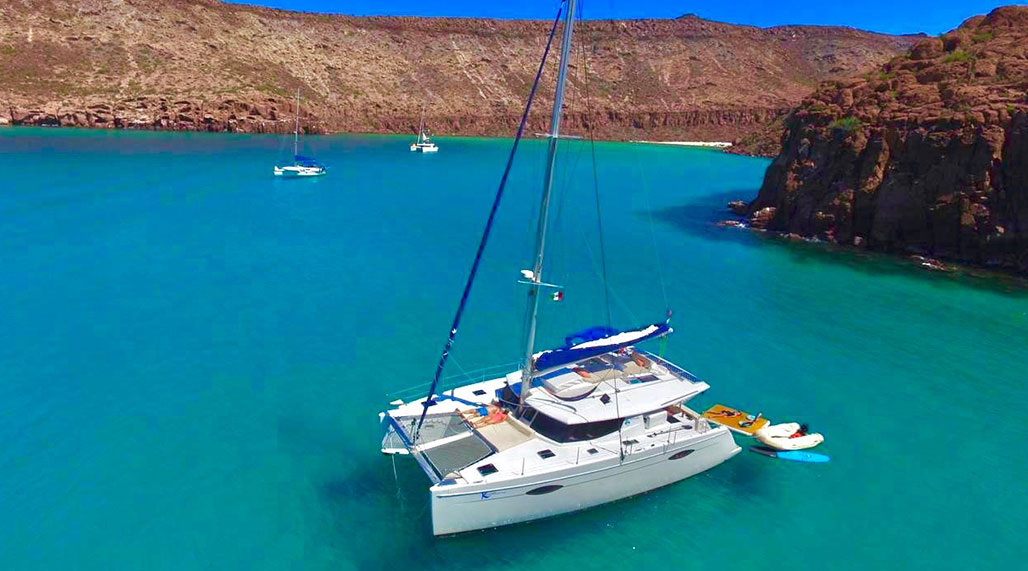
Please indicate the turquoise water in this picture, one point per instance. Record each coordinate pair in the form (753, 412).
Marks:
(192, 356)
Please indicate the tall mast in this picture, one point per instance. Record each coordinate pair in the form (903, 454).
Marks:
(421, 129)
(535, 281)
(296, 131)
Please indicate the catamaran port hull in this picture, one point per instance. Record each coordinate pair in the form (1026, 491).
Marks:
(456, 509)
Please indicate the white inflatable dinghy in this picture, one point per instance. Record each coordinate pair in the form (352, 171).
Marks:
(779, 437)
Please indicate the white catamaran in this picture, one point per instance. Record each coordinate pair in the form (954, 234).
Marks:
(302, 166)
(424, 143)
(593, 421)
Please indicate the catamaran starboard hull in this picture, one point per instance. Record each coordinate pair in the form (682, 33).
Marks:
(583, 487)
(292, 172)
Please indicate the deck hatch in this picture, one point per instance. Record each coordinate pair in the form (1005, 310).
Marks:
(457, 454)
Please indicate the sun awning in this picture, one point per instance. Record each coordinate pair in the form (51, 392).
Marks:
(611, 341)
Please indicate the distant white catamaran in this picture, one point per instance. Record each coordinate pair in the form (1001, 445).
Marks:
(424, 143)
(302, 166)
(593, 421)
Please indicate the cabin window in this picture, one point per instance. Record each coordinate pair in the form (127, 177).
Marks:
(560, 432)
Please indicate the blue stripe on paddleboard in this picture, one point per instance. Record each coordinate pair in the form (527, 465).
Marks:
(795, 455)
(801, 456)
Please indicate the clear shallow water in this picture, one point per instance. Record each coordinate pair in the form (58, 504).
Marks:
(192, 356)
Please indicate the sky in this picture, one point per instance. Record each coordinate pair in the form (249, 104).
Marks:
(887, 16)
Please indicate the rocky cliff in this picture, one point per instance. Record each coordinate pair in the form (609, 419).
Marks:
(928, 154)
(203, 64)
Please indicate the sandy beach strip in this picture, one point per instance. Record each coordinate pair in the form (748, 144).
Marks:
(713, 144)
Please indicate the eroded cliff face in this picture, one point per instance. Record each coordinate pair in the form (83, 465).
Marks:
(927, 155)
(203, 64)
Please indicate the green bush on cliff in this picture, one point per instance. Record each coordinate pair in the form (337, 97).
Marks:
(983, 37)
(7, 50)
(958, 55)
(848, 124)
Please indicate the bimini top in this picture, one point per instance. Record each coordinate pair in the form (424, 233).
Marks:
(595, 341)
(612, 385)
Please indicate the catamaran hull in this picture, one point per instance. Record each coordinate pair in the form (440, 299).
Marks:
(291, 172)
(583, 487)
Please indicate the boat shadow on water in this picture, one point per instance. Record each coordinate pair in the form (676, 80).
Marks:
(700, 219)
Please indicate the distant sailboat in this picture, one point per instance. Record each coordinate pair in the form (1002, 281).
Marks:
(424, 144)
(302, 166)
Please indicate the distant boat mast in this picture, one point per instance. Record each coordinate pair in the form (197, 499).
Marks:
(296, 130)
(421, 129)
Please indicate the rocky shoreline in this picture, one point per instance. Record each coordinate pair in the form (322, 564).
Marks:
(927, 156)
(277, 116)
(1004, 275)
(758, 222)
(270, 116)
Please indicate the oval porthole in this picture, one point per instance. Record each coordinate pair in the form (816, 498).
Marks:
(680, 455)
(544, 490)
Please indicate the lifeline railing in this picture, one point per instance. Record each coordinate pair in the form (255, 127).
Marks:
(671, 366)
(456, 380)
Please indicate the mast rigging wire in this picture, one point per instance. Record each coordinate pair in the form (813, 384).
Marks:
(488, 226)
(653, 238)
(596, 179)
(599, 227)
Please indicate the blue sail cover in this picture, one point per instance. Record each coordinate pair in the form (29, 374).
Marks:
(597, 345)
(306, 161)
(590, 334)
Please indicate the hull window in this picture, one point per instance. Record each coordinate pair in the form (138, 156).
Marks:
(544, 490)
(680, 455)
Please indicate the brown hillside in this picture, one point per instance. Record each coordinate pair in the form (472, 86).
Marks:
(203, 64)
(929, 154)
